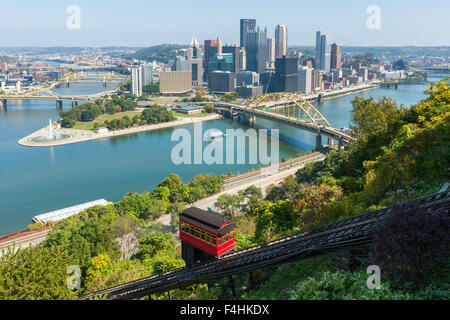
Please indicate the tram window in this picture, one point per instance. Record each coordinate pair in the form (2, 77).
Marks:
(197, 233)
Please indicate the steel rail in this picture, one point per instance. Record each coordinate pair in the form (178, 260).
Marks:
(354, 232)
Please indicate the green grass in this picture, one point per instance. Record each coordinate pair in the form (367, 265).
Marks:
(100, 119)
(197, 115)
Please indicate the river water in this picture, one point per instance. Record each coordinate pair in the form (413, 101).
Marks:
(38, 180)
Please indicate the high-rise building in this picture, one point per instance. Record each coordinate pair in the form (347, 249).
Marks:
(305, 79)
(318, 54)
(286, 74)
(257, 50)
(211, 48)
(147, 74)
(323, 52)
(234, 49)
(335, 56)
(280, 41)
(247, 78)
(221, 81)
(242, 59)
(194, 55)
(222, 62)
(247, 25)
(136, 81)
(316, 80)
(271, 48)
(180, 63)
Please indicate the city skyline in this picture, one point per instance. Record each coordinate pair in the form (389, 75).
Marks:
(145, 24)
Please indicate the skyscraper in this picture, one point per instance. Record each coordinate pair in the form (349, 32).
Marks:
(280, 41)
(335, 56)
(257, 50)
(136, 81)
(305, 79)
(317, 56)
(212, 47)
(286, 74)
(194, 55)
(323, 52)
(147, 74)
(247, 25)
(234, 49)
(221, 62)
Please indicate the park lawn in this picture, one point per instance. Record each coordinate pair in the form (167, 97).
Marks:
(100, 119)
(197, 115)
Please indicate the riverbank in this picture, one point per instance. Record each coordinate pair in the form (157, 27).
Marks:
(76, 136)
(340, 93)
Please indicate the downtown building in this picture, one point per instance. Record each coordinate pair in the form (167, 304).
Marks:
(136, 81)
(246, 77)
(335, 57)
(257, 50)
(147, 74)
(286, 74)
(280, 41)
(175, 82)
(194, 55)
(304, 79)
(233, 49)
(323, 52)
(247, 25)
(211, 48)
(221, 82)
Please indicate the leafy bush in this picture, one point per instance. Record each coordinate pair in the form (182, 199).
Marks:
(407, 242)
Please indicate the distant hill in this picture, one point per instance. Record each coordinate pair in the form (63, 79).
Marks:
(162, 53)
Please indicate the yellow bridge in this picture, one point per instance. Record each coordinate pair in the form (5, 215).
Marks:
(287, 108)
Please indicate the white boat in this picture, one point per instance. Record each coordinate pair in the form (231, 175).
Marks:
(213, 134)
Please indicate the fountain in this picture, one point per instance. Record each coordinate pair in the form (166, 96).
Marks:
(50, 136)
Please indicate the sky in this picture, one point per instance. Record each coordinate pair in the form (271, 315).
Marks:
(149, 22)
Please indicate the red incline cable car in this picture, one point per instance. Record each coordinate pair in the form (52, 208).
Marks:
(205, 235)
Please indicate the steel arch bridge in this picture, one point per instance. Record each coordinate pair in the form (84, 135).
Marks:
(282, 103)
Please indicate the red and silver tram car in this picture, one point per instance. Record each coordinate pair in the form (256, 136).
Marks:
(205, 235)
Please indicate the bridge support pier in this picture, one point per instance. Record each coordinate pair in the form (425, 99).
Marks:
(320, 98)
(3, 104)
(340, 144)
(330, 142)
(74, 103)
(59, 104)
(318, 142)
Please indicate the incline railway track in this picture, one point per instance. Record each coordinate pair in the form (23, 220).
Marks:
(350, 233)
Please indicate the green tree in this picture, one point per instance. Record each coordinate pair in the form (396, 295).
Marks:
(370, 117)
(35, 273)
